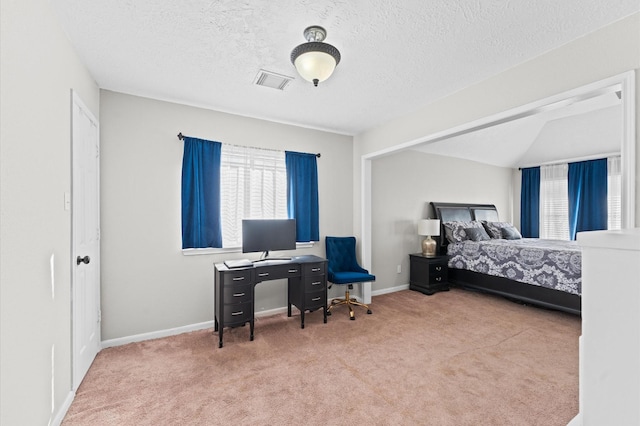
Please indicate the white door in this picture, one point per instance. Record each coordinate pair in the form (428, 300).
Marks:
(85, 239)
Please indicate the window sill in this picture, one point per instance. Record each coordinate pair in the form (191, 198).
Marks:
(210, 250)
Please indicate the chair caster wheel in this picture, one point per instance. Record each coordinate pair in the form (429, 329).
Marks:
(369, 311)
(329, 313)
(352, 318)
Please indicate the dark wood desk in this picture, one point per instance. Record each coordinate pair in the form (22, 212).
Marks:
(234, 289)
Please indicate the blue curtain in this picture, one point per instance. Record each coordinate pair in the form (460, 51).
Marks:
(530, 203)
(201, 194)
(587, 196)
(302, 194)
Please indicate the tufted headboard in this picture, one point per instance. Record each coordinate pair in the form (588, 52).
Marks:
(448, 212)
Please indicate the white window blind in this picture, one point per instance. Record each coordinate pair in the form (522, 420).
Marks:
(554, 202)
(253, 185)
(614, 193)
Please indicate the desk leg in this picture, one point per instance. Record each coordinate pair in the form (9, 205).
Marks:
(220, 338)
(325, 313)
(302, 318)
(289, 297)
(251, 330)
(215, 324)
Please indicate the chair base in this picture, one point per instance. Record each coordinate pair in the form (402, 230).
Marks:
(350, 302)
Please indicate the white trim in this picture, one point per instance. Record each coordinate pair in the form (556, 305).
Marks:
(628, 151)
(57, 420)
(178, 330)
(211, 250)
(156, 334)
(209, 324)
(625, 82)
(365, 242)
(391, 290)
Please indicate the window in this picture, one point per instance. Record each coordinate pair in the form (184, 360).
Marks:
(223, 184)
(614, 193)
(253, 185)
(554, 199)
(554, 202)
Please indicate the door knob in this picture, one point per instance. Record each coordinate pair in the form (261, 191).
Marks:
(84, 260)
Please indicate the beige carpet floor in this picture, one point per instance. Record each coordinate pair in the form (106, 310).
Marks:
(454, 358)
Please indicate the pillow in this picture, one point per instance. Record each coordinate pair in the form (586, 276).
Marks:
(455, 231)
(510, 233)
(494, 229)
(477, 234)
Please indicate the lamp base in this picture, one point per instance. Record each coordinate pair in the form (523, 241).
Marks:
(428, 247)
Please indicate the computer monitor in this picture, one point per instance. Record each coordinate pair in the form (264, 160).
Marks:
(266, 235)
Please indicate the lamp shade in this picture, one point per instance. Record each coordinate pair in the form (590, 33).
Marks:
(429, 227)
(315, 65)
(315, 60)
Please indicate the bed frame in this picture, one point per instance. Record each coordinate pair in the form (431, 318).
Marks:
(521, 292)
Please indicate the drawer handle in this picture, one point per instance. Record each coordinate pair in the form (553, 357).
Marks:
(315, 299)
(317, 283)
(238, 279)
(234, 314)
(438, 278)
(438, 268)
(315, 269)
(293, 271)
(263, 274)
(238, 294)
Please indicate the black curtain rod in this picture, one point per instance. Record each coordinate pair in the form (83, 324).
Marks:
(181, 137)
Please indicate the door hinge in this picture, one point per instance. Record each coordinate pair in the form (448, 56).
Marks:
(98, 234)
(99, 315)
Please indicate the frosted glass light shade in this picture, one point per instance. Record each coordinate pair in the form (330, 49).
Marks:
(429, 227)
(315, 60)
(315, 66)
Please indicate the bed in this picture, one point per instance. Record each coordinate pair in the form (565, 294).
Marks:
(545, 273)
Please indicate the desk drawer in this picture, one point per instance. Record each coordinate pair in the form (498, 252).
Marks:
(238, 313)
(317, 268)
(237, 277)
(238, 293)
(314, 300)
(314, 283)
(276, 272)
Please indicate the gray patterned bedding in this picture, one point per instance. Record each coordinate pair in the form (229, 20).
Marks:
(547, 263)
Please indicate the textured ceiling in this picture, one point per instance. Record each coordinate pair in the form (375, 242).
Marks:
(397, 55)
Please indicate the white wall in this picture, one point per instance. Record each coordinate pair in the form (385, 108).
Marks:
(404, 185)
(147, 283)
(610, 51)
(38, 70)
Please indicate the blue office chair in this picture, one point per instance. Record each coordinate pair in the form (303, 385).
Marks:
(344, 269)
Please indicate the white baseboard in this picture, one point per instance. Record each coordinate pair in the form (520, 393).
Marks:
(390, 290)
(57, 420)
(209, 324)
(576, 421)
(156, 334)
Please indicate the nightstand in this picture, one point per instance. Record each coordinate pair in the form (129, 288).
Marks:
(428, 274)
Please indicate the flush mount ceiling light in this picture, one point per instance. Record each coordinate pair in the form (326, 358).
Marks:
(315, 60)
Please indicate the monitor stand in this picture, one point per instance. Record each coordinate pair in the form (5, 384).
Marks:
(265, 257)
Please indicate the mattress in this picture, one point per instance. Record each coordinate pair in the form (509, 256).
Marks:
(553, 264)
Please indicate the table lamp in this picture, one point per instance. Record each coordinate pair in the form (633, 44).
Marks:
(429, 228)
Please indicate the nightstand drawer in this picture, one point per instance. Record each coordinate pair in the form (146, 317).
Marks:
(237, 293)
(438, 273)
(428, 274)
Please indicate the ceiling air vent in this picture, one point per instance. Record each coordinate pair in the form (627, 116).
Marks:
(272, 79)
